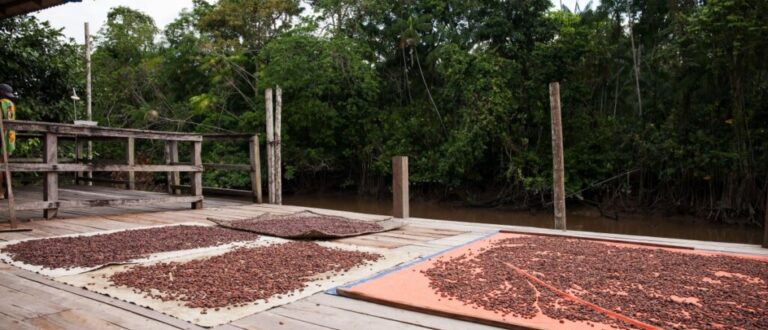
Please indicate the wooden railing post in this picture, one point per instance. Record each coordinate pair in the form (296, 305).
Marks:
(51, 179)
(197, 176)
(270, 146)
(765, 226)
(278, 154)
(400, 187)
(172, 157)
(254, 155)
(131, 160)
(79, 146)
(558, 167)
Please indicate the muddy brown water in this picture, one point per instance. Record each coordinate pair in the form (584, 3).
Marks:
(584, 219)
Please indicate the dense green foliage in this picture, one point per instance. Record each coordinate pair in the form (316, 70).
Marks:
(665, 98)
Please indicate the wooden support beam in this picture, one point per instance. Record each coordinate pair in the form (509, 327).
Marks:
(400, 187)
(51, 178)
(558, 166)
(131, 160)
(197, 177)
(255, 158)
(270, 146)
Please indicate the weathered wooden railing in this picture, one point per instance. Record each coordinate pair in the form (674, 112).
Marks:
(51, 165)
(253, 167)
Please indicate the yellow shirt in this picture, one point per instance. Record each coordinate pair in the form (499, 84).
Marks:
(9, 112)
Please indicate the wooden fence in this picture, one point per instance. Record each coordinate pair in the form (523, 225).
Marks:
(51, 166)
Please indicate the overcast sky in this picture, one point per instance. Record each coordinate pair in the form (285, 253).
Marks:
(71, 16)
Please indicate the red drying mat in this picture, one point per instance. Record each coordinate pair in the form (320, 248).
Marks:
(560, 303)
(309, 225)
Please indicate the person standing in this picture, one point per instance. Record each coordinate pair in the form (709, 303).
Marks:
(9, 113)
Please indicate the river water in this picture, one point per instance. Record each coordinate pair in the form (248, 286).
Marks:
(582, 219)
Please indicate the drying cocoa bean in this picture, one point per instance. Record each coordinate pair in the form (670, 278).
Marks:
(242, 276)
(89, 251)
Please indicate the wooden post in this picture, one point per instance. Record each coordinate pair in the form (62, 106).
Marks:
(51, 179)
(88, 94)
(131, 160)
(197, 177)
(79, 144)
(172, 157)
(270, 147)
(765, 225)
(400, 187)
(558, 167)
(254, 155)
(278, 157)
(8, 179)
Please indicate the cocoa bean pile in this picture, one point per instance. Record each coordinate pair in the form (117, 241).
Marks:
(89, 251)
(241, 276)
(659, 287)
(306, 226)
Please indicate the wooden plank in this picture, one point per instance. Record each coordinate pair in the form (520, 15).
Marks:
(131, 161)
(558, 167)
(395, 314)
(270, 320)
(98, 131)
(255, 159)
(51, 178)
(337, 318)
(144, 312)
(226, 137)
(54, 205)
(400, 187)
(351, 294)
(72, 319)
(227, 167)
(56, 168)
(197, 177)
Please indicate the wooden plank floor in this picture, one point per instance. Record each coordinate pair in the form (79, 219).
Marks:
(31, 301)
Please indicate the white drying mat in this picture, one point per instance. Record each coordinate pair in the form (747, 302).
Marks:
(55, 272)
(98, 281)
(386, 224)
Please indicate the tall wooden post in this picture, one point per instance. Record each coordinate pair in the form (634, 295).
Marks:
(400, 187)
(558, 167)
(278, 139)
(131, 161)
(88, 94)
(765, 226)
(270, 146)
(254, 155)
(197, 177)
(51, 179)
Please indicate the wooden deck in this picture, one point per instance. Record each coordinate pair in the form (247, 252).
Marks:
(29, 301)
